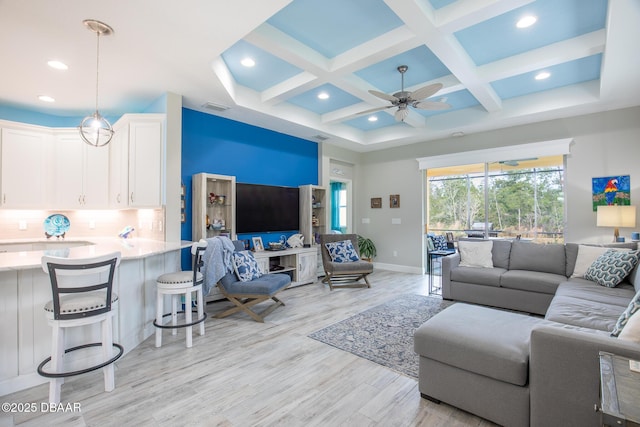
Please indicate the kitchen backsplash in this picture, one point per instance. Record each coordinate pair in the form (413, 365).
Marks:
(28, 224)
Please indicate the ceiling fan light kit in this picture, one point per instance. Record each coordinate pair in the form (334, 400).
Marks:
(404, 99)
(94, 129)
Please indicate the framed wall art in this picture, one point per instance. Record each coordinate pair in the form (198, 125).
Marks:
(394, 201)
(610, 190)
(376, 202)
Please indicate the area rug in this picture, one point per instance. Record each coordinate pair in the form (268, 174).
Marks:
(384, 334)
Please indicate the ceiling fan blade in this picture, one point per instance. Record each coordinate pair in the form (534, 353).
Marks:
(373, 110)
(425, 92)
(384, 96)
(401, 114)
(431, 105)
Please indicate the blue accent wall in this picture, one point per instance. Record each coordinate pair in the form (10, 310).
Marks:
(252, 154)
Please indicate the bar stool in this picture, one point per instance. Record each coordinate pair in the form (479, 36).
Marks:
(182, 283)
(82, 295)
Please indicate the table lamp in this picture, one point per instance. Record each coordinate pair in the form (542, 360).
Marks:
(616, 216)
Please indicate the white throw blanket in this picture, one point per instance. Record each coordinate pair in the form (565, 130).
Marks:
(217, 261)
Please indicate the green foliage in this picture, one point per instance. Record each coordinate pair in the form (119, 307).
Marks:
(519, 202)
(366, 247)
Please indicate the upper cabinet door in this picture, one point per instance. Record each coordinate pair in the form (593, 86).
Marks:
(81, 173)
(145, 163)
(26, 157)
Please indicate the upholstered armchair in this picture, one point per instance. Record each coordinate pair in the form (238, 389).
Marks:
(344, 271)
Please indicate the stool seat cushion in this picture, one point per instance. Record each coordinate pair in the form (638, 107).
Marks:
(267, 284)
(178, 279)
(489, 342)
(87, 301)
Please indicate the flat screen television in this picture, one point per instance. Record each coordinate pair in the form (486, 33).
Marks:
(265, 208)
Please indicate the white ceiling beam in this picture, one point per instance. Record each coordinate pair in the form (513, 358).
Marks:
(445, 46)
(547, 56)
(620, 75)
(466, 13)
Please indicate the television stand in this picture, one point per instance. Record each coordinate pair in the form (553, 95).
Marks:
(301, 263)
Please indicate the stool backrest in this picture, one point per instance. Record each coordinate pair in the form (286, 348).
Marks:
(197, 250)
(75, 276)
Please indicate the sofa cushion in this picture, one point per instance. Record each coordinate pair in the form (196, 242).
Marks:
(586, 289)
(480, 276)
(631, 331)
(632, 308)
(612, 267)
(501, 251)
(476, 254)
(546, 258)
(586, 256)
(489, 342)
(533, 281)
(583, 313)
(571, 252)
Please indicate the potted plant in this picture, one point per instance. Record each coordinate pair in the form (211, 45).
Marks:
(367, 248)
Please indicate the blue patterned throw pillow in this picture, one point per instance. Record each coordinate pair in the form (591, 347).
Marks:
(342, 251)
(440, 242)
(610, 268)
(634, 306)
(245, 266)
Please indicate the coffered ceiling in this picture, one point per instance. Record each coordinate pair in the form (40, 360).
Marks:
(340, 48)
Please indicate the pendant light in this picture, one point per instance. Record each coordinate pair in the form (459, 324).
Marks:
(95, 130)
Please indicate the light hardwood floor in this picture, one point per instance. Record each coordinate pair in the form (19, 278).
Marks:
(244, 373)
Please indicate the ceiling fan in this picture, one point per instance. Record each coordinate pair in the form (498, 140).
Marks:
(403, 99)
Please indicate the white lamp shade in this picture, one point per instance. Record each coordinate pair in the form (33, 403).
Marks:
(616, 216)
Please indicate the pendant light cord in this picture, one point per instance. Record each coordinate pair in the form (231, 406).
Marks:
(97, 67)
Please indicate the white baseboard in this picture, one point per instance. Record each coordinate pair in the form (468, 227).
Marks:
(398, 268)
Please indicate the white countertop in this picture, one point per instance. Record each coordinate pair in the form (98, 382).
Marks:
(132, 248)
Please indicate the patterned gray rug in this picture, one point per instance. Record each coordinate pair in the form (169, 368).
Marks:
(384, 334)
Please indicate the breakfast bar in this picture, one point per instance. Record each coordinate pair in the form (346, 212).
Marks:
(25, 288)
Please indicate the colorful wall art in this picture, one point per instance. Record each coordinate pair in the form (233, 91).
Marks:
(611, 190)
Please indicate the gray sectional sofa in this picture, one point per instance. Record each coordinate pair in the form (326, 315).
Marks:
(520, 369)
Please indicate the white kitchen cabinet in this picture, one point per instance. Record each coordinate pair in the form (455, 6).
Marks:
(26, 161)
(136, 161)
(119, 168)
(145, 163)
(80, 173)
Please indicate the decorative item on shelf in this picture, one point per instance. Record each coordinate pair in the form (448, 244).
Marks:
(125, 233)
(367, 248)
(295, 241)
(220, 199)
(56, 225)
(314, 220)
(276, 246)
(394, 201)
(257, 244)
(212, 198)
(218, 224)
(635, 236)
(95, 130)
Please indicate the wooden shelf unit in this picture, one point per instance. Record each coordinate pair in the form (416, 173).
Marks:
(215, 208)
(313, 212)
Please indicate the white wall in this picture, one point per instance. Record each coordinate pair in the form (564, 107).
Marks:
(604, 144)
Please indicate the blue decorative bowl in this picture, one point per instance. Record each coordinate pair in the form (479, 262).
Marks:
(56, 225)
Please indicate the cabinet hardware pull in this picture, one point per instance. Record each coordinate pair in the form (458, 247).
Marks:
(132, 197)
(118, 198)
(80, 199)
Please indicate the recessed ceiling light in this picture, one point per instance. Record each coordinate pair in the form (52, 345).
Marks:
(526, 21)
(46, 98)
(57, 65)
(323, 95)
(543, 75)
(248, 62)
(373, 118)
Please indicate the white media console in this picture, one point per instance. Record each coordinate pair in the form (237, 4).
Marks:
(301, 263)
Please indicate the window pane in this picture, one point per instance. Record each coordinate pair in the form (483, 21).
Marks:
(524, 198)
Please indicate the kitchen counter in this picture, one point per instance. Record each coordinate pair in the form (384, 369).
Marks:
(25, 288)
(133, 248)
